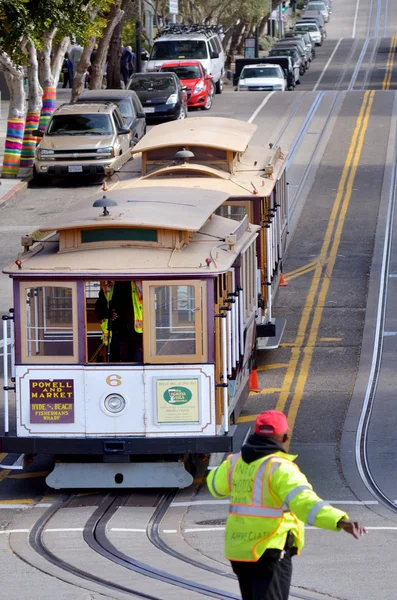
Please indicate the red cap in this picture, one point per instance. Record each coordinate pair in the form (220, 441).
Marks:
(271, 422)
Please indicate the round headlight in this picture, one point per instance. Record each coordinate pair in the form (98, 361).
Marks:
(114, 403)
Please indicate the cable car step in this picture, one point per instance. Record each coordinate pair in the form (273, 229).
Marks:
(119, 475)
(270, 343)
(18, 465)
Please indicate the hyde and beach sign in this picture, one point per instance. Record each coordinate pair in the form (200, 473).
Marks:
(51, 401)
(177, 401)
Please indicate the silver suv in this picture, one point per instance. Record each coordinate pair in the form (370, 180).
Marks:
(81, 139)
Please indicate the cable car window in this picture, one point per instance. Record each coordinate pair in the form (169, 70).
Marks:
(174, 331)
(232, 211)
(48, 323)
(114, 321)
(118, 234)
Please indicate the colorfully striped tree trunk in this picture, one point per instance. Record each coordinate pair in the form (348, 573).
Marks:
(47, 80)
(16, 117)
(34, 107)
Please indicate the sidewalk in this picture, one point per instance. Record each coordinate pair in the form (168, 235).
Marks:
(8, 187)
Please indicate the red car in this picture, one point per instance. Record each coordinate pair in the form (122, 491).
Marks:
(200, 85)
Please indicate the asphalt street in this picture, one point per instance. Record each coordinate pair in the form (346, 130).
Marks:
(339, 132)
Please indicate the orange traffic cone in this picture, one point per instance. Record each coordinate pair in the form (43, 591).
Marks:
(282, 283)
(253, 384)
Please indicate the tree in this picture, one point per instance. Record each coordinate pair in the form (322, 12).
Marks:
(116, 13)
(34, 108)
(113, 77)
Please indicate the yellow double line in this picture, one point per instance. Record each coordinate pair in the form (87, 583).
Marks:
(323, 272)
(390, 64)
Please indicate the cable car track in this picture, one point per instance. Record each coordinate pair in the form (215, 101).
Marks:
(95, 536)
(361, 444)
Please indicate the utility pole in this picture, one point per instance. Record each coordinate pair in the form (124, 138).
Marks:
(280, 22)
(138, 26)
(257, 41)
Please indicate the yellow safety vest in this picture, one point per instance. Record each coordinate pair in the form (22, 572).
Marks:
(268, 498)
(107, 287)
(136, 289)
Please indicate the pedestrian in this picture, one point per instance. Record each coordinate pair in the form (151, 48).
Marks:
(67, 71)
(119, 308)
(125, 61)
(270, 500)
(132, 63)
(74, 56)
(144, 60)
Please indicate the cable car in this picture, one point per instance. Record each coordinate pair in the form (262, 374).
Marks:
(219, 154)
(131, 338)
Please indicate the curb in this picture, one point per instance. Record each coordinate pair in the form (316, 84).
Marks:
(15, 190)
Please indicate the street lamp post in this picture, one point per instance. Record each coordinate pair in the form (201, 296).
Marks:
(138, 26)
(280, 22)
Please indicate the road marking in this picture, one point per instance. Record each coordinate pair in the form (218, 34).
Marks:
(389, 333)
(199, 529)
(9, 531)
(318, 273)
(336, 502)
(170, 531)
(355, 19)
(302, 268)
(327, 65)
(272, 366)
(128, 530)
(345, 195)
(29, 475)
(18, 504)
(262, 104)
(266, 391)
(308, 269)
(63, 529)
(330, 339)
(390, 65)
(343, 199)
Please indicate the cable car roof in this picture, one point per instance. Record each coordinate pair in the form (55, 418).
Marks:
(184, 209)
(211, 242)
(215, 132)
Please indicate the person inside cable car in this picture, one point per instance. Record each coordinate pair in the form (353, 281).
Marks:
(119, 307)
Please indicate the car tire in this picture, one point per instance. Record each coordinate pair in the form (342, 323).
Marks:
(39, 179)
(219, 86)
(182, 114)
(208, 104)
(302, 70)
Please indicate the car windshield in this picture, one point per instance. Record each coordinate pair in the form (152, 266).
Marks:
(250, 73)
(283, 52)
(188, 72)
(126, 108)
(152, 84)
(179, 49)
(305, 28)
(80, 125)
(316, 6)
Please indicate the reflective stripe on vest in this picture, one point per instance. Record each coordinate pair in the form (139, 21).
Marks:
(256, 511)
(295, 492)
(233, 460)
(315, 510)
(213, 484)
(136, 287)
(107, 288)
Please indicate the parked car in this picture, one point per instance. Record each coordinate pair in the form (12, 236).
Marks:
(129, 105)
(190, 42)
(306, 40)
(321, 7)
(299, 67)
(261, 78)
(162, 95)
(81, 139)
(200, 86)
(312, 28)
(314, 17)
(285, 62)
(305, 54)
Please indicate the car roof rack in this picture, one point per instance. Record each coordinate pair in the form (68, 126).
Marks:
(179, 29)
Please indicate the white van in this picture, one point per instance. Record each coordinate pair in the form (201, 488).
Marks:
(190, 42)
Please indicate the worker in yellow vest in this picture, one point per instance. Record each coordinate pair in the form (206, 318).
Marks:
(119, 307)
(270, 500)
